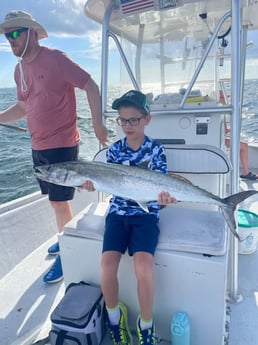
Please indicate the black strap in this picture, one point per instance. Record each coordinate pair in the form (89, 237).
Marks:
(89, 341)
(60, 337)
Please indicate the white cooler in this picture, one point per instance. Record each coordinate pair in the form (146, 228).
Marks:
(248, 231)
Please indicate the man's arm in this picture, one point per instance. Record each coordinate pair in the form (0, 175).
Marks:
(93, 96)
(13, 113)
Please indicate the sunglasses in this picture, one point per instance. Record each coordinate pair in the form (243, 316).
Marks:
(15, 33)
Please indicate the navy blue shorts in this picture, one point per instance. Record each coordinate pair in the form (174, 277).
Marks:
(49, 156)
(137, 233)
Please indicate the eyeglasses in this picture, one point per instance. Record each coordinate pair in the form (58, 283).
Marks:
(133, 121)
(15, 33)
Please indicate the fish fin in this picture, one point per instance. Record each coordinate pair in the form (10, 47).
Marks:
(231, 203)
(143, 206)
(179, 177)
(235, 199)
(229, 216)
(145, 164)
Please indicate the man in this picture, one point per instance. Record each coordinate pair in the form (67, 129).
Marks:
(46, 79)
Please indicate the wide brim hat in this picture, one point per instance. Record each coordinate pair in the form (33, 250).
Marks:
(21, 19)
(136, 98)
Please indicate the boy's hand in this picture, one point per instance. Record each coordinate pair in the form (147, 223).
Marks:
(88, 185)
(164, 198)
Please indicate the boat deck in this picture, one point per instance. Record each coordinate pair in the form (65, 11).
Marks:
(26, 302)
(244, 315)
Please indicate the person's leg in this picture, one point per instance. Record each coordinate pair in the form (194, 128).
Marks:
(227, 142)
(143, 267)
(109, 282)
(144, 239)
(59, 197)
(63, 213)
(243, 160)
(244, 157)
(117, 311)
(246, 173)
(114, 245)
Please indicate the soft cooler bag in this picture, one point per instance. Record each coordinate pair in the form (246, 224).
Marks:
(78, 318)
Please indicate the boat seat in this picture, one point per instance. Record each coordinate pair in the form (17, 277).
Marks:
(181, 228)
(186, 227)
(197, 159)
(192, 159)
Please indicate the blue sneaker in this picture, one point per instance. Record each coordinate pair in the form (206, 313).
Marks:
(146, 336)
(54, 249)
(120, 333)
(55, 274)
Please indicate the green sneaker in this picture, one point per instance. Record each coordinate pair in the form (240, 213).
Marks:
(146, 336)
(120, 333)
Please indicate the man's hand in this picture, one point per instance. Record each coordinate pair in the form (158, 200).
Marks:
(102, 135)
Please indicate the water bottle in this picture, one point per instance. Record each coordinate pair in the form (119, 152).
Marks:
(180, 329)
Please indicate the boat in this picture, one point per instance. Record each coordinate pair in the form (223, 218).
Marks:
(182, 54)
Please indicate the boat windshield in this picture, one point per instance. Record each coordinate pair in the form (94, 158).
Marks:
(157, 53)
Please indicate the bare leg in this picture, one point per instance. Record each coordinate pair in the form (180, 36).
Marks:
(143, 266)
(109, 281)
(244, 157)
(63, 213)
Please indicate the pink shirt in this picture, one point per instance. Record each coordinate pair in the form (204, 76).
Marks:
(50, 99)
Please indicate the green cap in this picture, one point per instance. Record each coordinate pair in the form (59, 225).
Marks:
(137, 98)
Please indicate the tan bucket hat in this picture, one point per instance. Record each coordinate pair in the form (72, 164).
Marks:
(16, 18)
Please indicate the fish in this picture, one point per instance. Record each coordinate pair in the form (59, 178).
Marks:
(138, 184)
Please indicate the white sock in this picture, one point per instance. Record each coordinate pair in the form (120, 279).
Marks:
(145, 324)
(114, 315)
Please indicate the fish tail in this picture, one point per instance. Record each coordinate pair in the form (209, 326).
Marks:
(231, 203)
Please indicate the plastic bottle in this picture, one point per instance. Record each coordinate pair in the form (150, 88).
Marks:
(180, 329)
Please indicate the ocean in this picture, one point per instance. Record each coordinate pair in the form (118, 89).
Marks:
(16, 174)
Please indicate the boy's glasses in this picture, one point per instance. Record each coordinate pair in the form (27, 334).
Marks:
(133, 121)
(15, 33)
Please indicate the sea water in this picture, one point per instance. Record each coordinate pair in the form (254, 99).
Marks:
(16, 174)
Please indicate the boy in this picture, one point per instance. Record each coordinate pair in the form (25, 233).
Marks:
(128, 225)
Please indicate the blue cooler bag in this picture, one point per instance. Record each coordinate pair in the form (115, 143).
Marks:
(78, 318)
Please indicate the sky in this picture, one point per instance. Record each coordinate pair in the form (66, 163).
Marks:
(68, 28)
(72, 32)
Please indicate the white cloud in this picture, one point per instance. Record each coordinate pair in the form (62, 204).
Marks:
(59, 17)
(5, 47)
(69, 30)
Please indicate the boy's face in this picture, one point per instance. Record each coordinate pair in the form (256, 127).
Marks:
(138, 121)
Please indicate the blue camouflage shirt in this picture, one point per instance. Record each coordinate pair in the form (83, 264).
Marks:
(152, 152)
